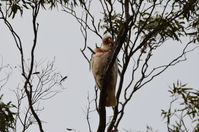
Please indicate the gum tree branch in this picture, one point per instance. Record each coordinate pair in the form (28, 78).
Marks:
(136, 41)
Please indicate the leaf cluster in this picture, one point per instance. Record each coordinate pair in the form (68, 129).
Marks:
(188, 99)
(18, 6)
(116, 21)
(174, 29)
(7, 119)
(191, 14)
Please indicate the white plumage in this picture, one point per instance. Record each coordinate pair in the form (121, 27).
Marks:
(98, 62)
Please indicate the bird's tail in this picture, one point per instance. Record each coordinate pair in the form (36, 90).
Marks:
(111, 100)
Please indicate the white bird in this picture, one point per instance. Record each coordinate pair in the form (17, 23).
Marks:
(98, 63)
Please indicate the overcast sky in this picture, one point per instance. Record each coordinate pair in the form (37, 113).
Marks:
(60, 37)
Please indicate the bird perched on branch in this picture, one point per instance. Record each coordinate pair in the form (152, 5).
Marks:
(98, 64)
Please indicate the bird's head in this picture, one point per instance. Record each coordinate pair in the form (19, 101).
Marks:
(107, 43)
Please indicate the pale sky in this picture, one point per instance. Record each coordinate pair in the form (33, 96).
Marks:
(59, 36)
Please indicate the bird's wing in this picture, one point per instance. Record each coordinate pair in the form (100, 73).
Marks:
(98, 62)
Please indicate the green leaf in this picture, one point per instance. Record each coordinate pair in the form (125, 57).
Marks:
(14, 9)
